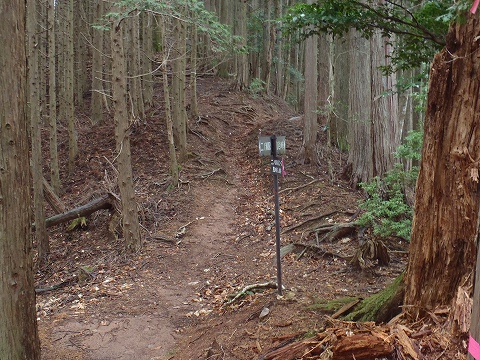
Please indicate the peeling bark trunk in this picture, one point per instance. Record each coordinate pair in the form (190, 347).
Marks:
(445, 226)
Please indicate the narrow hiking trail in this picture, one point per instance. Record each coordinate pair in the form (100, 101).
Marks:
(204, 242)
(162, 292)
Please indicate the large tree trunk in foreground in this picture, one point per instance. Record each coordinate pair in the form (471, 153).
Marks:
(18, 327)
(445, 226)
(131, 226)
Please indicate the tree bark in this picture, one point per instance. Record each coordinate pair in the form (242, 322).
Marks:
(52, 198)
(445, 225)
(130, 222)
(43, 245)
(97, 66)
(179, 65)
(168, 111)
(52, 99)
(359, 110)
(241, 58)
(69, 87)
(18, 326)
(308, 152)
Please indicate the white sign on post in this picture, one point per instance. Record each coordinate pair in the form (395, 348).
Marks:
(265, 147)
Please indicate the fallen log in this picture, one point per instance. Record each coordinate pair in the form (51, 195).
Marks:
(361, 347)
(52, 198)
(104, 202)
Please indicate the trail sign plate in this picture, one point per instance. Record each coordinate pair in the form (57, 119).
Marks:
(264, 145)
(276, 166)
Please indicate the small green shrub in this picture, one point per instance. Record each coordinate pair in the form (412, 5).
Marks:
(387, 211)
(257, 86)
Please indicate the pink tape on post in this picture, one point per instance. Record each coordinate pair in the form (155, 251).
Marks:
(474, 348)
(473, 10)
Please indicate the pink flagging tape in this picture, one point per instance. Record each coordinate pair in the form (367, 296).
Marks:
(474, 348)
(473, 10)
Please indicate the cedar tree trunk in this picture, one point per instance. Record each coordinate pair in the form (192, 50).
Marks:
(18, 326)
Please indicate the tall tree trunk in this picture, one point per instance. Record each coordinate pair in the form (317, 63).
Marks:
(269, 45)
(360, 135)
(241, 58)
(97, 66)
(69, 87)
(147, 46)
(308, 151)
(445, 225)
(340, 66)
(385, 123)
(168, 111)
(193, 73)
(52, 99)
(135, 69)
(80, 51)
(279, 54)
(36, 125)
(223, 69)
(18, 326)
(178, 89)
(130, 222)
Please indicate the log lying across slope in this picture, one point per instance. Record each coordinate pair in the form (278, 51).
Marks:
(104, 202)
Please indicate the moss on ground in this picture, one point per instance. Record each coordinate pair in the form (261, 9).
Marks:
(382, 306)
(331, 305)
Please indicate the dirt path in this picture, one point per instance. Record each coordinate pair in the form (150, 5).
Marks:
(153, 333)
(168, 301)
(141, 315)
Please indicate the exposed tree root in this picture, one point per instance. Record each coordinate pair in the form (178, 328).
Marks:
(252, 287)
(335, 231)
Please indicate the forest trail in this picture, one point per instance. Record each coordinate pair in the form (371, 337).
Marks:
(168, 301)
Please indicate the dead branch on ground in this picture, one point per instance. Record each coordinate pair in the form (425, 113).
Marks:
(315, 218)
(302, 248)
(56, 286)
(299, 187)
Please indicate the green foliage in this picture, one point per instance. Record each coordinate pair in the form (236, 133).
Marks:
(419, 84)
(190, 11)
(255, 26)
(411, 149)
(257, 86)
(420, 29)
(80, 222)
(386, 209)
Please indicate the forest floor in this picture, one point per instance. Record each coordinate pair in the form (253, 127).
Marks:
(204, 241)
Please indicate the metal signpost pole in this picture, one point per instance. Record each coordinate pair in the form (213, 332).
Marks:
(273, 141)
